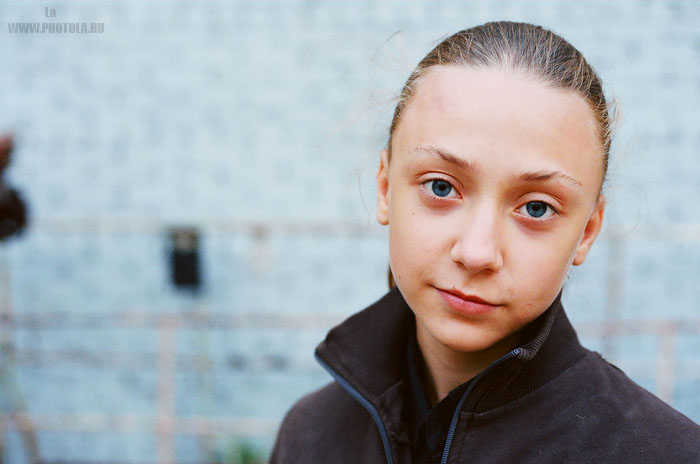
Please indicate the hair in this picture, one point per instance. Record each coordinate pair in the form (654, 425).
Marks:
(521, 47)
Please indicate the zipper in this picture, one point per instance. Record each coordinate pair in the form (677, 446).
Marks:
(455, 416)
(366, 404)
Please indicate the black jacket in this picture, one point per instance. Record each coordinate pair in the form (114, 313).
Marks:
(548, 401)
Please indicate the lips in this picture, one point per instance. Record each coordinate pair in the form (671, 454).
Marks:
(467, 305)
(472, 298)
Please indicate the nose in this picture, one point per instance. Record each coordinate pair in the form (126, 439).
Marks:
(477, 246)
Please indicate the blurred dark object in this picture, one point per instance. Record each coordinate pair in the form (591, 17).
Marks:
(13, 212)
(6, 147)
(184, 243)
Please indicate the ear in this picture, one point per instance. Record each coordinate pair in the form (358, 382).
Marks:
(595, 222)
(383, 188)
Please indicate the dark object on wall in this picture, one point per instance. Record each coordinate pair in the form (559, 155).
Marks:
(184, 258)
(13, 211)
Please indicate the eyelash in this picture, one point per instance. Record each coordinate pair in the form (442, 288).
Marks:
(552, 208)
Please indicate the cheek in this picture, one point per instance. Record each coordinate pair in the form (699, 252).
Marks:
(541, 265)
(405, 250)
(414, 243)
(545, 266)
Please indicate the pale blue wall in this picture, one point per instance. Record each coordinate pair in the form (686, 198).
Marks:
(236, 115)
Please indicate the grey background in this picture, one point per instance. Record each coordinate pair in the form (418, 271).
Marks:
(260, 123)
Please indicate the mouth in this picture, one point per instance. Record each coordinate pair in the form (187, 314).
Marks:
(466, 304)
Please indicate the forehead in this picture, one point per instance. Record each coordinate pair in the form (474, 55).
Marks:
(490, 114)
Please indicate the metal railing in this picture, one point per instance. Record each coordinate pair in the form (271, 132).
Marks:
(167, 424)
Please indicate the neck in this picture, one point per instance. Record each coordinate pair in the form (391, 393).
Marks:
(446, 369)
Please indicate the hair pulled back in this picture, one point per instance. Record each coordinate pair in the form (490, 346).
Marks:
(518, 47)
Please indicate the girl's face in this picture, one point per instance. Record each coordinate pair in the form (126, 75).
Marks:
(492, 192)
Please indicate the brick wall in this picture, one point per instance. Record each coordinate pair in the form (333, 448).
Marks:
(260, 123)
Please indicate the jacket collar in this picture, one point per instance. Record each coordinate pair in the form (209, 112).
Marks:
(368, 351)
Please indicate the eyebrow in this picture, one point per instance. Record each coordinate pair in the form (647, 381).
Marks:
(468, 166)
(461, 163)
(546, 175)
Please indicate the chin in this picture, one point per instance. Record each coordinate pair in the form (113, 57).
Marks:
(466, 341)
(471, 347)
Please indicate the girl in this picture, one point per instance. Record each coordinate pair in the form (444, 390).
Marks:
(491, 185)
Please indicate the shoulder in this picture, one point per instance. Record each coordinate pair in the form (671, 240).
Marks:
(311, 429)
(634, 417)
(613, 386)
(593, 412)
(328, 406)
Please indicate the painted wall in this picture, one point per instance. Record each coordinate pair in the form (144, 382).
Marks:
(260, 124)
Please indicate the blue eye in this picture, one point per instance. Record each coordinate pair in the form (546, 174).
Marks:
(440, 187)
(538, 209)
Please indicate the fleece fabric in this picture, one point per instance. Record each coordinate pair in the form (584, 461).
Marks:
(549, 400)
